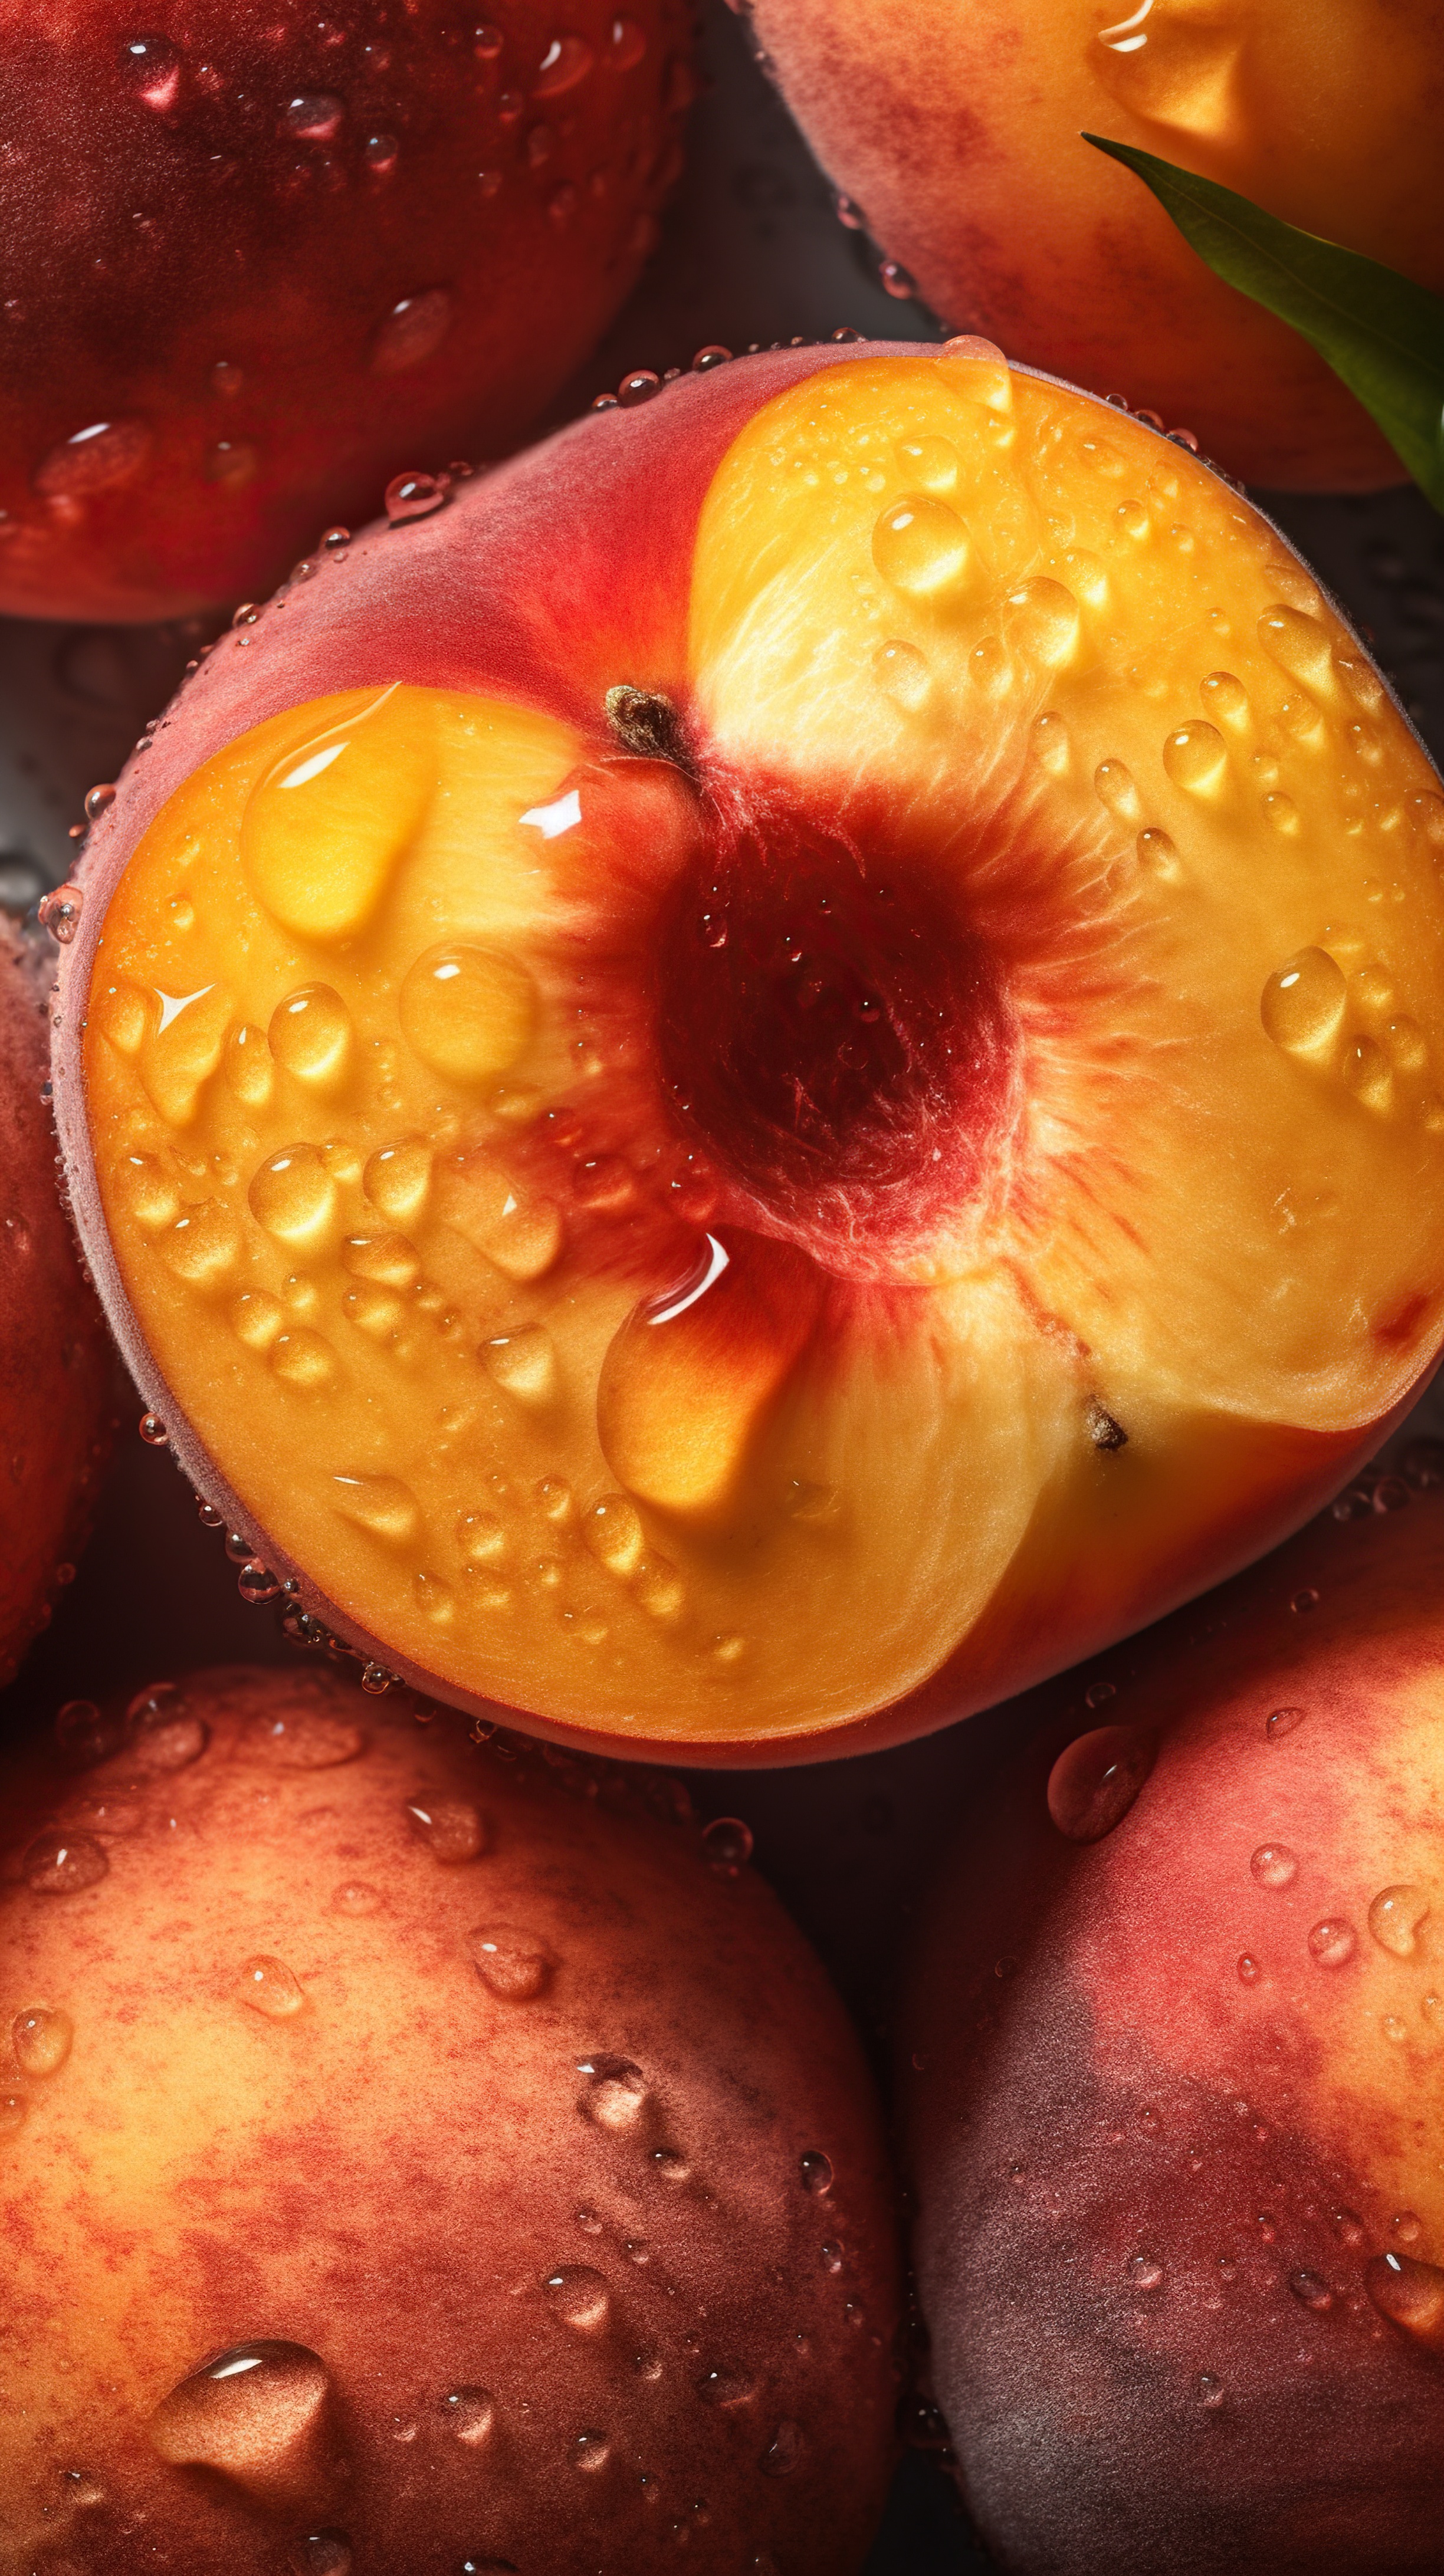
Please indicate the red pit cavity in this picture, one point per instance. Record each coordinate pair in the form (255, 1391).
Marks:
(832, 1038)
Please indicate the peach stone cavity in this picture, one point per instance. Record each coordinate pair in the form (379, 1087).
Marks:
(691, 1244)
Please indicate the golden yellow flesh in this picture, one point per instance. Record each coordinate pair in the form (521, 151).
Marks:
(337, 998)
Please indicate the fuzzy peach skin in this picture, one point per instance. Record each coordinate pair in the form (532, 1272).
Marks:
(1174, 2094)
(259, 260)
(778, 1070)
(957, 132)
(417, 2160)
(55, 1355)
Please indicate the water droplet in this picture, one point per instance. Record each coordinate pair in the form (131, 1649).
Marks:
(413, 496)
(1409, 2293)
(356, 1897)
(1395, 1918)
(397, 1180)
(931, 464)
(94, 459)
(1282, 812)
(303, 1360)
(783, 2452)
(1196, 757)
(322, 2553)
(564, 66)
(616, 2091)
(165, 1734)
(1210, 2389)
(1145, 2272)
(1367, 1071)
(314, 118)
(259, 2416)
(1312, 2291)
(41, 2039)
(294, 1196)
(1303, 1003)
(1300, 646)
(1274, 1865)
(627, 43)
(231, 462)
(1096, 1779)
(726, 2385)
(727, 1843)
(380, 1504)
(579, 2296)
(467, 1012)
(310, 1034)
(14, 2111)
(1333, 1942)
(308, 1739)
(1408, 2227)
(150, 67)
(902, 673)
(59, 913)
(468, 2414)
(816, 2171)
(524, 1363)
(1050, 744)
(413, 331)
(516, 1966)
(1115, 788)
(62, 1864)
(1043, 622)
(451, 1828)
(613, 1531)
(1248, 1970)
(896, 280)
(921, 546)
(83, 1737)
(269, 1987)
(1393, 2028)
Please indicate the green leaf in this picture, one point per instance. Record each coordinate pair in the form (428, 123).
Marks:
(1379, 331)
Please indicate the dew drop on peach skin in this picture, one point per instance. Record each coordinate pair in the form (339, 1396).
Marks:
(61, 1864)
(516, 1966)
(271, 1988)
(577, 2294)
(321, 2553)
(258, 2417)
(41, 2039)
(1333, 1942)
(1396, 1917)
(1274, 1865)
(1303, 1003)
(450, 1829)
(468, 2415)
(615, 2092)
(1097, 1778)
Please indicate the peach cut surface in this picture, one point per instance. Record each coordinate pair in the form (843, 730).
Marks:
(927, 1133)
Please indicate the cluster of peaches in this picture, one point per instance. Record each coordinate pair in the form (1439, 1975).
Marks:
(735, 1086)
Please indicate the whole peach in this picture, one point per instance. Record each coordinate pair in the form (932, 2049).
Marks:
(54, 1351)
(421, 2160)
(957, 134)
(1173, 2063)
(259, 260)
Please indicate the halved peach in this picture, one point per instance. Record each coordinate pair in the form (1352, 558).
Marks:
(780, 1072)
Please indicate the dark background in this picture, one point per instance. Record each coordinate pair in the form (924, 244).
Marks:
(752, 251)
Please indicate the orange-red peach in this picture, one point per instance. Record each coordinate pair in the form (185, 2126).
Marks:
(414, 2160)
(957, 132)
(260, 259)
(54, 1351)
(780, 1070)
(1174, 2067)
